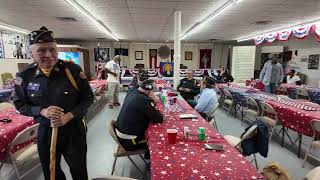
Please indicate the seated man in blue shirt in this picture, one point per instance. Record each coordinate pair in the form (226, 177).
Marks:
(208, 97)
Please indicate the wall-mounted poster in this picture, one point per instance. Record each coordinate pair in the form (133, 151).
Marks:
(1, 47)
(172, 55)
(139, 55)
(121, 51)
(188, 55)
(14, 45)
(101, 54)
(313, 61)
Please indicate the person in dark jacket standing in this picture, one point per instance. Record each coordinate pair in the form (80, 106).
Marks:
(137, 111)
(57, 94)
(189, 87)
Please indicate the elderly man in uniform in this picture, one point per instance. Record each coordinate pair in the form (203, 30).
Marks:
(137, 111)
(57, 94)
(189, 87)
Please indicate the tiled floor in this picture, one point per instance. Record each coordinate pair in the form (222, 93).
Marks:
(101, 146)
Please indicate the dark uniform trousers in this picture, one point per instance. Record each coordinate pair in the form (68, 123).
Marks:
(71, 144)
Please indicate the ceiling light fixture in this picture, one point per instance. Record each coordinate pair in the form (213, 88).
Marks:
(96, 22)
(200, 24)
(251, 37)
(13, 28)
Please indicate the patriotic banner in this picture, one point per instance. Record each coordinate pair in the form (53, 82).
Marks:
(270, 37)
(284, 35)
(258, 40)
(302, 32)
(317, 32)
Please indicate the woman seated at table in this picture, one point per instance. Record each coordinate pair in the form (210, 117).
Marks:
(224, 76)
(292, 78)
(208, 97)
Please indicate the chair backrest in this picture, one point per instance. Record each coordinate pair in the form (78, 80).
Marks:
(302, 93)
(282, 90)
(252, 103)
(5, 105)
(6, 76)
(111, 130)
(212, 112)
(227, 94)
(28, 134)
(267, 109)
(248, 134)
(315, 124)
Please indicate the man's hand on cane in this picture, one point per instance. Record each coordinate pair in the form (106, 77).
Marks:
(56, 115)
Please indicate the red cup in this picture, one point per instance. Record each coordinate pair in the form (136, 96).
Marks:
(174, 99)
(172, 136)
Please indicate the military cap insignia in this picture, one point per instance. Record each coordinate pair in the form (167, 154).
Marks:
(41, 36)
(82, 76)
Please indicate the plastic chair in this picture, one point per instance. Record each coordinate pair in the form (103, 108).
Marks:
(211, 117)
(314, 174)
(236, 141)
(252, 109)
(112, 178)
(120, 152)
(302, 94)
(269, 116)
(6, 76)
(315, 124)
(228, 100)
(282, 91)
(6, 105)
(29, 153)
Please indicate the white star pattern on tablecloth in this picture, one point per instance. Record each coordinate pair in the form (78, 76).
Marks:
(174, 153)
(172, 147)
(163, 172)
(228, 169)
(222, 155)
(253, 177)
(183, 158)
(229, 162)
(159, 143)
(160, 152)
(185, 149)
(169, 165)
(243, 162)
(202, 177)
(187, 145)
(182, 165)
(162, 139)
(217, 174)
(191, 152)
(161, 135)
(195, 171)
(205, 161)
(166, 158)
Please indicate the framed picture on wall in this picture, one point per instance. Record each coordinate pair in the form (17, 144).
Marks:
(139, 55)
(313, 61)
(188, 55)
(101, 54)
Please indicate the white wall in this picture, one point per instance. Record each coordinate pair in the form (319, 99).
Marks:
(11, 66)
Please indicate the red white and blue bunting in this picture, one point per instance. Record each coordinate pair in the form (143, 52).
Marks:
(299, 32)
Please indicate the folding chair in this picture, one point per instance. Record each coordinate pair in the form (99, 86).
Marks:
(5, 105)
(315, 124)
(252, 110)
(302, 94)
(236, 141)
(314, 174)
(228, 100)
(120, 152)
(211, 117)
(29, 153)
(282, 91)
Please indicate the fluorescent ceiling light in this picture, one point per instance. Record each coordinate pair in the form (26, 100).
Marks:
(12, 28)
(96, 22)
(251, 37)
(222, 8)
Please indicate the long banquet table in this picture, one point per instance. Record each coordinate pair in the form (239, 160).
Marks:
(294, 114)
(313, 92)
(187, 159)
(8, 131)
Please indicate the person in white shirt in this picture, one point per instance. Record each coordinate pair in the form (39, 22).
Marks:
(113, 70)
(292, 78)
(208, 97)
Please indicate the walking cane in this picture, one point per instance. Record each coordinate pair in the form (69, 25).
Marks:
(53, 153)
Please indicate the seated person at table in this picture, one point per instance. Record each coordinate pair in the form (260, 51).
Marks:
(138, 78)
(208, 97)
(137, 111)
(189, 87)
(224, 76)
(292, 78)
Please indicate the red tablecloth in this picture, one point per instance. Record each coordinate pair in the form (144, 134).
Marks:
(187, 159)
(256, 84)
(8, 131)
(162, 83)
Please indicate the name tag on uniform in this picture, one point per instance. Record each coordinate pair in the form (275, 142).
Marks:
(33, 86)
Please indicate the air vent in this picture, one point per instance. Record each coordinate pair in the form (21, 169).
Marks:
(262, 22)
(70, 19)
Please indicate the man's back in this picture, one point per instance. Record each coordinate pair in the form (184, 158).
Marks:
(136, 113)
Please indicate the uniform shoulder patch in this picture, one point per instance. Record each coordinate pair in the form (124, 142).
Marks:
(18, 81)
(82, 76)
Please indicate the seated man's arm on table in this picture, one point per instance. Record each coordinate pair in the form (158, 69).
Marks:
(20, 99)
(151, 112)
(203, 101)
(180, 86)
(195, 88)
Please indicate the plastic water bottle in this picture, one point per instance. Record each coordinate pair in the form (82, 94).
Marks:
(165, 102)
